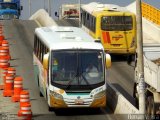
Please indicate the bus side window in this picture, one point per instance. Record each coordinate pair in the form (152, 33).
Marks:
(37, 49)
(88, 20)
(42, 50)
(93, 24)
(84, 18)
(46, 50)
(39, 45)
(81, 16)
(87, 17)
(35, 44)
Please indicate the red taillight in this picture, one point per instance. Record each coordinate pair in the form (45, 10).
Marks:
(106, 37)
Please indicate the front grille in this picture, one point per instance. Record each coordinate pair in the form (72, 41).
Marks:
(86, 101)
(77, 91)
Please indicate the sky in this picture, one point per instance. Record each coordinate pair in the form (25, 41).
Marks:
(55, 4)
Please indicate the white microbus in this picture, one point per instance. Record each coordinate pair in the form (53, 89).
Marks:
(70, 68)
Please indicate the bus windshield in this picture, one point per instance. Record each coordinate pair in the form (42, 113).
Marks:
(8, 6)
(117, 23)
(77, 69)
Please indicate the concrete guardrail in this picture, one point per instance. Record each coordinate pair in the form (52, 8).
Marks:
(118, 103)
(42, 18)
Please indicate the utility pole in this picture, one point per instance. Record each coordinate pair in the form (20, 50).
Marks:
(79, 1)
(44, 4)
(29, 8)
(140, 62)
(49, 7)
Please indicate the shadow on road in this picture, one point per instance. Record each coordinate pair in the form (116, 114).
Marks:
(122, 58)
(124, 93)
(118, 58)
(78, 111)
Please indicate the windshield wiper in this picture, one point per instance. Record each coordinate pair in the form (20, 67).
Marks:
(78, 75)
(70, 81)
(82, 77)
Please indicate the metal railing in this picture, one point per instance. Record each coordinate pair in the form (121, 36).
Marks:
(151, 13)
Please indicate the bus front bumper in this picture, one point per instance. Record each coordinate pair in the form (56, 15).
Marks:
(121, 51)
(69, 103)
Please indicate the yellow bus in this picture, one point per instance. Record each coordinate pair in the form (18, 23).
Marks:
(112, 24)
(70, 68)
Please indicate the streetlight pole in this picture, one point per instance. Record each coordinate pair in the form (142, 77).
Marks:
(44, 4)
(79, 2)
(49, 7)
(140, 62)
(29, 7)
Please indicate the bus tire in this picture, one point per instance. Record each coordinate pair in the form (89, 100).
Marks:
(40, 94)
(130, 58)
(50, 108)
(150, 106)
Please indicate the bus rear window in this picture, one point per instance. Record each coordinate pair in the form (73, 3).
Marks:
(117, 23)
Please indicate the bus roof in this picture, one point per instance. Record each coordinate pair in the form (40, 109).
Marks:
(96, 6)
(57, 37)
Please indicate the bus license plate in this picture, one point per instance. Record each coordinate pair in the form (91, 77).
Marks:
(79, 101)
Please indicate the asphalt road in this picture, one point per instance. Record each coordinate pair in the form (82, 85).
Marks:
(20, 36)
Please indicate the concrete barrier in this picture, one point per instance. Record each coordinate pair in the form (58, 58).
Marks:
(118, 103)
(152, 30)
(42, 18)
(149, 28)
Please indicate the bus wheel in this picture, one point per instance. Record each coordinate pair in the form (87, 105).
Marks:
(150, 106)
(50, 108)
(40, 94)
(129, 59)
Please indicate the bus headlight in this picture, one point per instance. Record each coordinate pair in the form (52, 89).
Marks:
(56, 95)
(99, 95)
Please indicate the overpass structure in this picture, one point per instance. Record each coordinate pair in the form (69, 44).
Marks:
(121, 76)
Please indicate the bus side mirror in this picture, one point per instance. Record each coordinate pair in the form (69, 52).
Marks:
(45, 60)
(108, 61)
